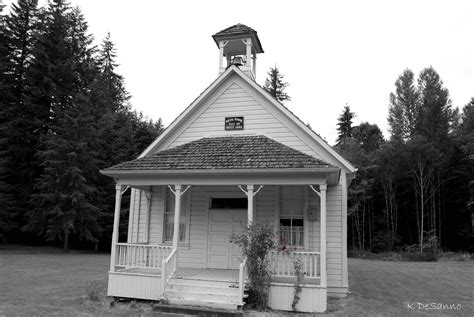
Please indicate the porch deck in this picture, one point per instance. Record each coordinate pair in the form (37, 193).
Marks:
(220, 275)
(189, 273)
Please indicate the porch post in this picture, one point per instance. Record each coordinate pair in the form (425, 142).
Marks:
(115, 234)
(177, 214)
(250, 204)
(322, 189)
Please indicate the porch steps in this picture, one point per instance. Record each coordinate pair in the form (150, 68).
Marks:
(203, 293)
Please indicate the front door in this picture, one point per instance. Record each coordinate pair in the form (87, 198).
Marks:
(223, 254)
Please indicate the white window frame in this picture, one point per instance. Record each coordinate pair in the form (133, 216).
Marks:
(186, 217)
(292, 217)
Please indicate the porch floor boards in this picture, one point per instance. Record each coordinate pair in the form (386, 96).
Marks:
(221, 275)
(141, 270)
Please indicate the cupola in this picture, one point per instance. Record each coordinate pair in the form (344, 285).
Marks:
(238, 45)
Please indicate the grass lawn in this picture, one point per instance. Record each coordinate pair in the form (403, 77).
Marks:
(388, 288)
(47, 281)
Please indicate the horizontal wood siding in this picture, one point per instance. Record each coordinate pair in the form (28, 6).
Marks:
(265, 206)
(193, 254)
(142, 215)
(235, 101)
(157, 215)
(134, 286)
(312, 299)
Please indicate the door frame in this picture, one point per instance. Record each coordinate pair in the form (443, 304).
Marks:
(209, 195)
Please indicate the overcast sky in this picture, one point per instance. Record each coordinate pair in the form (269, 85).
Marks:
(331, 52)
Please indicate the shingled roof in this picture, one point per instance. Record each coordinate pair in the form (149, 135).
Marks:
(235, 29)
(228, 152)
(239, 30)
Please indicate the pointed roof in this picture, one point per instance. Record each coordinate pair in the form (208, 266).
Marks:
(238, 31)
(228, 152)
(175, 125)
(235, 29)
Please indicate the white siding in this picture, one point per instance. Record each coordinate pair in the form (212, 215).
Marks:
(312, 299)
(193, 254)
(134, 286)
(258, 120)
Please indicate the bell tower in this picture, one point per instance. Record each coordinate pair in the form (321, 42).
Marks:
(238, 45)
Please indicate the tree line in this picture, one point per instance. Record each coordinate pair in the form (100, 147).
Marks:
(414, 191)
(65, 115)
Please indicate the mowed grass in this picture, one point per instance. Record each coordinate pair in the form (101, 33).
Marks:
(47, 281)
(394, 288)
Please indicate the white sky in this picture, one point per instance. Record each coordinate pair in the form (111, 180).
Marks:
(331, 52)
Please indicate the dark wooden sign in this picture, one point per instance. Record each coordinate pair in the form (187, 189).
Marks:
(234, 123)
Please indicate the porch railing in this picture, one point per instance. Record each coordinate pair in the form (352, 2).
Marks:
(141, 255)
(242, 277)
(283, 263)
(168, 267)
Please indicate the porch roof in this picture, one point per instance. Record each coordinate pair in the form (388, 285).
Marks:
(248, 154)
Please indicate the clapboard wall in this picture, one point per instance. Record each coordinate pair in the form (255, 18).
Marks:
(195, 209)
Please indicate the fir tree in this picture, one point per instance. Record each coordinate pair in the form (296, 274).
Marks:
(435, 115)
(404, 108)
(344, 125)
(63, 72)
(20, 124)
(275, 85)
(369, 136)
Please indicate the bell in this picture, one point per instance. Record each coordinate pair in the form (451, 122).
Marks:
(237, 61)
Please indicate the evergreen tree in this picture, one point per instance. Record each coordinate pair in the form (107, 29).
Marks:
(466, 130)
(435, 115)
(404, 107)
(275, 85)
(62, 74)
(369, 136)
(344, 126)
(19, 122)
(122, 134)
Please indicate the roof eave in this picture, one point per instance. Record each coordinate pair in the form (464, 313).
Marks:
(332, 173)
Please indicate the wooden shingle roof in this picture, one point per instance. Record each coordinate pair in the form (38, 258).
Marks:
(239, 31)
(227, 152)
(235, 29)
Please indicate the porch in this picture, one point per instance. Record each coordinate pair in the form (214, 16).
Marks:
(148, 272)
(151, 270)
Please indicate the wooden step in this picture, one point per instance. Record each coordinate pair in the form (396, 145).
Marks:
(203, 303)
(203, 289)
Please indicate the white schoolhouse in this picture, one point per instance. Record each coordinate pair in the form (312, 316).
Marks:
(233, 156)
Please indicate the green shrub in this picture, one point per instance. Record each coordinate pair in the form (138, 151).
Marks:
(256, 240)
(298, 265)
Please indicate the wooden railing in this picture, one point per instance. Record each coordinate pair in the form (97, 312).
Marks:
(283, 263)
(168, 267)
(141, 255)
(242, 277)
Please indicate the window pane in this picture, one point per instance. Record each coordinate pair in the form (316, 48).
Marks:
(292, 232)
(229, 203)
(169, 228)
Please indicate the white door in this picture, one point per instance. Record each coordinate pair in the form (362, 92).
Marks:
(223, 254)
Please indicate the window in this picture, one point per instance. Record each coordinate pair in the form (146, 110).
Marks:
(168, 227)
(228, 203)
(291, 216)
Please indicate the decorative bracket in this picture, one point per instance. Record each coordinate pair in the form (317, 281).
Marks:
(123, 191)
(314, 190)
(246, 192)
(174, 192)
